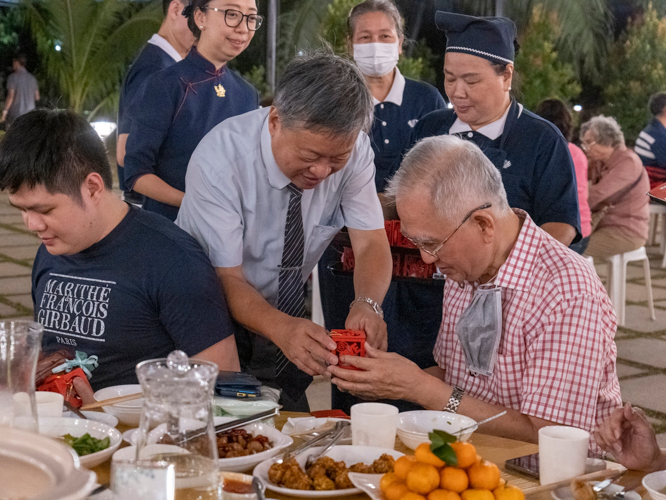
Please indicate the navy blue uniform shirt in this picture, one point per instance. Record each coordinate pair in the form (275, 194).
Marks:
(174, 109)
(144, 290)
(651, 148)
(394, 123)
(151, 60)
(533, 158)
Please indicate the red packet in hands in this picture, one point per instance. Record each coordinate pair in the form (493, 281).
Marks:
(63, 383)
(350, 343)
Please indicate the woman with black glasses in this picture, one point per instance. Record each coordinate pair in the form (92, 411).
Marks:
(178, 106)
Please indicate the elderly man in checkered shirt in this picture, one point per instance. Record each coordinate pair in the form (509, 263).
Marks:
(527, 325)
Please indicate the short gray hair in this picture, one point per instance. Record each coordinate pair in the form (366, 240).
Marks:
(605, 129)
(386, 7)
(456, 173)
(324, 92)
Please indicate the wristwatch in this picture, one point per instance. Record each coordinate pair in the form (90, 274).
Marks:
(454, 400)
(367, 300)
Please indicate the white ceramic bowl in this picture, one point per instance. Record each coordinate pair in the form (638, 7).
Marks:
(129, 413)
(131, 435)
(97, 416)
(40, 468)
(242, 478)
(655, 483)
(56, 427)
(278, 440)
(414, 426)
(349, 454)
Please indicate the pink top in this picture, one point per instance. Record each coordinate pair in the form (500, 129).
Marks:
(580, 165)
(556, 357)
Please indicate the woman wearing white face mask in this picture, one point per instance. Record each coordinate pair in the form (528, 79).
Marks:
(412, 312)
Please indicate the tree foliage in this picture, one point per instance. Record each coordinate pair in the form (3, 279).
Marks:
(638, 70)
(97, 40)
(541, 73)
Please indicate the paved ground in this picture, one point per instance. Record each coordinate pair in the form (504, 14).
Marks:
(641, 343)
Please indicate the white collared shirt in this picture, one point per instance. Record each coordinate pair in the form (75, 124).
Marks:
(162, 43)
(236, 201)
(396, 92)
(491, 131)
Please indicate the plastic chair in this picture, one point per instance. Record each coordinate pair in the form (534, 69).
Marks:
(657, 210)
(617, 281)
(317, 309)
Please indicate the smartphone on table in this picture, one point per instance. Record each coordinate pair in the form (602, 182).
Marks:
(528, 465)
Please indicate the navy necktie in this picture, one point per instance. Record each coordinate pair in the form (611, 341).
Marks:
(291, 296)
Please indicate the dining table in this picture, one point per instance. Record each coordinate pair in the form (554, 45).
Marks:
(492, 448)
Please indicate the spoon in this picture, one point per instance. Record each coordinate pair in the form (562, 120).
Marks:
(259, 488)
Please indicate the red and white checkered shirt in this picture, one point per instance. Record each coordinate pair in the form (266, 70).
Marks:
(556, 358)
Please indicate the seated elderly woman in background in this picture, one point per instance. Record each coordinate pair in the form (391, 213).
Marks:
(617, 186)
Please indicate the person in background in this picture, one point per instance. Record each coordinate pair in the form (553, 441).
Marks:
(617, 190)
(557, 113)
(22, 92)
(529, 152)
(267, 192)
(651, 142)
(166, 47)
(412, 312)
(110, 280)
(176, 107)
(527, 326)
(628, 435)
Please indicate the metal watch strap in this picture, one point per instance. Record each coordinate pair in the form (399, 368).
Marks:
(367, 300)
(454, 400)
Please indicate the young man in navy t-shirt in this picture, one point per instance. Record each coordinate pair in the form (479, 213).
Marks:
(110, 280)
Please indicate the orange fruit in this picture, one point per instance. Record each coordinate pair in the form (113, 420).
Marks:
(453, 479)
(410, 495)
(395, 490)
(425, 455)
(465, 453)
(484, 475)
(443, 495)
(475, 494)
(402, 466)
(387, 479)
(508, 492)
(422, 478)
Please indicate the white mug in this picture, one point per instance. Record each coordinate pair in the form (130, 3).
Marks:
(374, 424)
(562, 453)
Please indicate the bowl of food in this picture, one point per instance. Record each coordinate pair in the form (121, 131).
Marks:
(241, 449)
(94, 442)
(129, 412)
(236, 486)
(414, 426)
(655, 483)
(328, 477)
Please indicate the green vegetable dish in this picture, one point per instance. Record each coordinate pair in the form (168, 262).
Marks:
(86, 444)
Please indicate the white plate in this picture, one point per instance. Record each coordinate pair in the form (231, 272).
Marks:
(129, 413)
(56, 427)
(317, 425)
(40, 468)
(130, 436)
(565, 493)
(349, 454)
(97, 416)
(368, 484)
(278, 440)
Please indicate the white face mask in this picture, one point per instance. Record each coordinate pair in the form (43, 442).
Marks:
(376, 59)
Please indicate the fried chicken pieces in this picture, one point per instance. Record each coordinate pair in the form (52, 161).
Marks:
(324, 474)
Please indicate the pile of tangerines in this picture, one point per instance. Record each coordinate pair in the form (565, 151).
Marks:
(425, 476)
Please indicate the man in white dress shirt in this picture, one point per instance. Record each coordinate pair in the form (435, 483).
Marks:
(266, 193)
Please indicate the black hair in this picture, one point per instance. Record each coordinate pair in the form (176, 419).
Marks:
(22, 60)
(500, 67)
(557, 113)
(54, 148)
(657, 103)
(189, 11)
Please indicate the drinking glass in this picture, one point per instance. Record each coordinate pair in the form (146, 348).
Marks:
(562, 453)
(142, 480)
(177, 422)
(374, 424)
(20, 343)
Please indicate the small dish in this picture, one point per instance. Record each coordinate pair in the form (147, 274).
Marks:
(413, 426)
(235, 477)
(130, 436)
(655, 483)
(565, 493)
(129, 413)
(278, 440)
(97, 416)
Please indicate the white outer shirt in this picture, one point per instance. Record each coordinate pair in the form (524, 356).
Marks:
(236, 201)
(163, 44)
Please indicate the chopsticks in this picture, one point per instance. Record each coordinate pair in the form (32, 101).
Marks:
(593, 476)
(112, 401)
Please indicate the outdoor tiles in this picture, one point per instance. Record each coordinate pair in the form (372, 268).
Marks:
(20, 252)
(646, 392)
(637, 317)
(638, 293)
(11, 269)
(11, 218)
(15, 285)
(646, 351)
(7, 311)
(17, 239)
(626, 370)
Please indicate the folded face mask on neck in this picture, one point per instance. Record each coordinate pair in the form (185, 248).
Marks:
(479, 329)
(376, 59)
